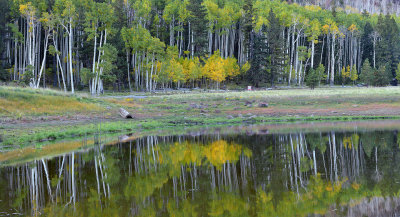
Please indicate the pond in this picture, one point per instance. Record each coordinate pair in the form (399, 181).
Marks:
(316, 170)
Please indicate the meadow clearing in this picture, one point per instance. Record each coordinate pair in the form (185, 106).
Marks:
(28, 115)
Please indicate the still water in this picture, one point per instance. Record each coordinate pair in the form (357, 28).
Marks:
(330, 172)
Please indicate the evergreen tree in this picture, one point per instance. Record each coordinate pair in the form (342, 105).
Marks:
(320, 73)
(198, 24)
(258, 71)
(382, 76)
(388, 48)
(4, 10)
(275, 47)
(367, 73)
(312, 79)
(247, 23)
(366, 42)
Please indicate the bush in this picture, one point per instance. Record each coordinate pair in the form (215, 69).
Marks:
(312, 79)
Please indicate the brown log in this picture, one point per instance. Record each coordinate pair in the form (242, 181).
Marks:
(125, 114)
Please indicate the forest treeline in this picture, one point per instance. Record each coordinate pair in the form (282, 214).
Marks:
(151, 44)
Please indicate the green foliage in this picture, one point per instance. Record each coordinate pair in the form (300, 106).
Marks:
(388, 47)
(86, 75)
(315, 76)
(398, 72)
(260, 32)
(198, 14)
(108, 63)
(258, 63)
(312, 79)
(276, 59)
(320, 73)
(382, 76)
(367, 73)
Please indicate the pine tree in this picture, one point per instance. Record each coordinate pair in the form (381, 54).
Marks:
(366, 42)
(247, 23)
(257, 72)
(275, 47)
(367, 73)
(388, 48)
(198, 25)
(312, 79)
(382, 76)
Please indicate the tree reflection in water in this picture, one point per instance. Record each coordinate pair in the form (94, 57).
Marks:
(296, 174)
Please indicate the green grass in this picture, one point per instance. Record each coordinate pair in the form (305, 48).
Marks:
(25, 137)
(172, 111)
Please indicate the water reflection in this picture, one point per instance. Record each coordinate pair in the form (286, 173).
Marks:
(253, 174)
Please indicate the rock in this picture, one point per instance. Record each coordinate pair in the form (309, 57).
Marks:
(229, 117)
(240, 116)
(194, 105)
(253, 116)
(247, 103)
(217, 111)
(263, 105)
(203, 111)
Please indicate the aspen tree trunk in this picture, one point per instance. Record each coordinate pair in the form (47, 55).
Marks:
(70, 56)
(44, 59)
(94, 61)
(171, 32)
(129, 74)
(151, 73)
(15, 53)
(333, 61)
(59, 63)
(147, 73)
(374, 44)
(96, 79)
(100, 86)
(312, 53)
(292, 55)
(192, 45)
(136, 72)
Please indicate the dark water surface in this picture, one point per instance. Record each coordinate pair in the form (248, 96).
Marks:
(352, 172)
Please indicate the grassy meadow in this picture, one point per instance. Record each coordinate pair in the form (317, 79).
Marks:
(38, 115)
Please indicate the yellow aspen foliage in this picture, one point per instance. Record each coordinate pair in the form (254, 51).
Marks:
(213, 68)
(231, 67)
(23, 8)
(355, 186)
(245, 68)
(220, 152)
(325, 29)
(345, 73)
(218, 69)
(347, 142)
(354, 74)
(352, 28)
(175, 71)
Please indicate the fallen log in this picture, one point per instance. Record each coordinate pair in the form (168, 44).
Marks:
(125, 114)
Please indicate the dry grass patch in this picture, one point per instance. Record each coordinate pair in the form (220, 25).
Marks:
(27, 101)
